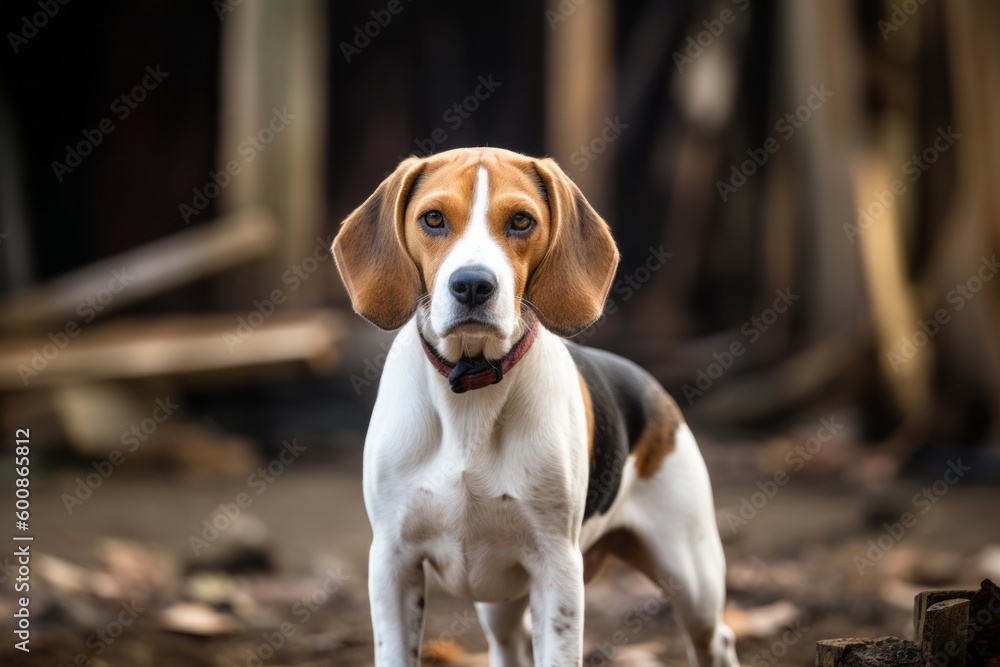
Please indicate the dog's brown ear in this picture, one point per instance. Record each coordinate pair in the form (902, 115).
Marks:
(570, 285)
(380, 276)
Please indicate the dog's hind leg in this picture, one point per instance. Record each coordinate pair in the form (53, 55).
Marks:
(508, 632)
(677, 545)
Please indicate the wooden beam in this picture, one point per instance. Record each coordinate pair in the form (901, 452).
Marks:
(132, 276)
(579, 92)
(274, 58)
(942, 637)
(172, 346)
(820, 50)
(892, 303)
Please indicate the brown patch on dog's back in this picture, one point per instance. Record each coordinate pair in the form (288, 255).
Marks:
(659, 436)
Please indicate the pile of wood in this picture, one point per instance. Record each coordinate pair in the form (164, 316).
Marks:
(950, 629)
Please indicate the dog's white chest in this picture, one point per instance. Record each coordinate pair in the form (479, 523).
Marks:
(475, 530)
(478, 486)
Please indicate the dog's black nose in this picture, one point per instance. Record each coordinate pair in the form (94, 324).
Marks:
(472, 286)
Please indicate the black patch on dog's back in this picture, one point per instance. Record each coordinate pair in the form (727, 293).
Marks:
(622, 397)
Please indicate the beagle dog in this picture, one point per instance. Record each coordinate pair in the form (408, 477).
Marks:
(503, 460)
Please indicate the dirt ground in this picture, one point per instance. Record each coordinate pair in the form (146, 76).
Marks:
(288, 584)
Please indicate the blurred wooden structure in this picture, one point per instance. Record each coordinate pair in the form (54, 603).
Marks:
(273, 56)
(175, 347)
(270, 221)
(873, 202)
(148, 270)
(876, 208)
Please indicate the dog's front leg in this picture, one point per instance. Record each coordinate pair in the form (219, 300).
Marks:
(397, 589)
(557, 608)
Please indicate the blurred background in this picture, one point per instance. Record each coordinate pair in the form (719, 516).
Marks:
(804, 197)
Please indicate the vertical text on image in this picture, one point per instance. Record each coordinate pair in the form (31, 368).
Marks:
(22, 553)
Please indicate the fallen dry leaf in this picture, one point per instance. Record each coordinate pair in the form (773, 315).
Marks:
(138, 570)
(193, 618)
(639, 655)
(760, 622)
(62, 574)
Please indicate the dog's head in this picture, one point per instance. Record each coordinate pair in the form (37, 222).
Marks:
(471, 236)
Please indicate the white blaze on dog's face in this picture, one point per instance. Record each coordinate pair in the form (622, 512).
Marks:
(471, 234)
(476, 251)
(473, 290)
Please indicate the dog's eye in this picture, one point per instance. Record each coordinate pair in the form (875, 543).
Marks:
(520, 223)
(433, 221)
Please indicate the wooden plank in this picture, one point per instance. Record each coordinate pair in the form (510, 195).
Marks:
(888, 651)
(273, 57)
(134, 275)
(821, 50)
(926, 599)
(942, 636)
(830, 651)
(974, 228)
(893, 304)
(578, 85)
(171, 346)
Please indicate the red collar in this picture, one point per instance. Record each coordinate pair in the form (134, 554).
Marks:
(480, 372)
